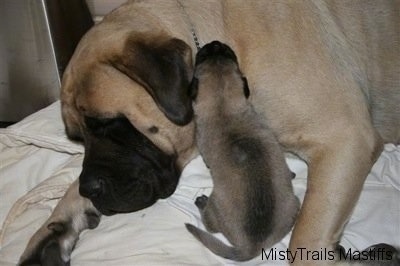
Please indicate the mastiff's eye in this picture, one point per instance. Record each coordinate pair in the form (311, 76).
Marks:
(106, 126)
(98, 125)
(153, 129)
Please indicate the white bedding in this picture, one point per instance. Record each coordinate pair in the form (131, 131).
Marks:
(38, 162)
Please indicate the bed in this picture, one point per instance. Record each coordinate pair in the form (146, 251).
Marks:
(38, 163)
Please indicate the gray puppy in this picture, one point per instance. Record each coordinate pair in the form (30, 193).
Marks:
(252, 202)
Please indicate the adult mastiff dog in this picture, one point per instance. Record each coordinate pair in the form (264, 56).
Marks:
(325, 74)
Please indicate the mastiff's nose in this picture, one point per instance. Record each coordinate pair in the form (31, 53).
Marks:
(91, 187)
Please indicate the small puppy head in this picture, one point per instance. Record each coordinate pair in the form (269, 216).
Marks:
(217, 73)
(215, 51)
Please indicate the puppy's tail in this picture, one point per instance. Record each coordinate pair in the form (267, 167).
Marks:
(220, 248)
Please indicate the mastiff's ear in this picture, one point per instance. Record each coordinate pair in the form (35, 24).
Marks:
(194, 88)
(163, 68)
(246, 89)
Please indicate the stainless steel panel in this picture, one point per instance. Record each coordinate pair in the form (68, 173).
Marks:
(29, 78)
(37, 40)
(100, 8)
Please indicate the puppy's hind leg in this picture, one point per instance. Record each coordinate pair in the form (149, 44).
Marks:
(201, 202)
(53, 243)
(208, 213)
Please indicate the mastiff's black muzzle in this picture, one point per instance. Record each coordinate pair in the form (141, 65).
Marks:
(123, 171)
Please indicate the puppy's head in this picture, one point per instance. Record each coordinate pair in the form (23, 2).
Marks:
(217, 73)
(125, 94)
(215, 51)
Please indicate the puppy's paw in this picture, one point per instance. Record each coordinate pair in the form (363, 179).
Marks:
(381, 246)
(385, 253)
(201, 201)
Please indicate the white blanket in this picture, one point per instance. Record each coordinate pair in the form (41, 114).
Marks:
(38, 162)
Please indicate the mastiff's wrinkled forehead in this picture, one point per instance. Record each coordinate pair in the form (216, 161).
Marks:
(125, 94)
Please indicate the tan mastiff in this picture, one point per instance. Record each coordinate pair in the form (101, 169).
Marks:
(325, 76)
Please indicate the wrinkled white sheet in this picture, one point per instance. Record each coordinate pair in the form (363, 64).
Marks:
(38, 162)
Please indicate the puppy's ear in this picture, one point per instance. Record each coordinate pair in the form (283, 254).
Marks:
(193, 88)
(163, 68)
(246, 89)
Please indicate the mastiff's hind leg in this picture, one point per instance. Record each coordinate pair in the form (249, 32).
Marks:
(53, 243)
(338, 165)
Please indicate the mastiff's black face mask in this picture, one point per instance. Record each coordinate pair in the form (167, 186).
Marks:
(123, 171)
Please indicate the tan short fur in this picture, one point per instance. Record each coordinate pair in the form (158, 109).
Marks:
(325, 75)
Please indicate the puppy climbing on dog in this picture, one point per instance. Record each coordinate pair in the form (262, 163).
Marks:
(245, 160)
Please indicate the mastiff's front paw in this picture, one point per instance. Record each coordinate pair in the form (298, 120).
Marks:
(53, 243)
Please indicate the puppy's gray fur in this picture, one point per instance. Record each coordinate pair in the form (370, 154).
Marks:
(252, 203)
